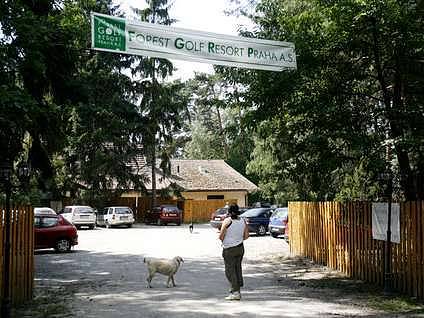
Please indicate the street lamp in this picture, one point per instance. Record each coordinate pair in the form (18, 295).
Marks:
(388, 177)
(6, 170)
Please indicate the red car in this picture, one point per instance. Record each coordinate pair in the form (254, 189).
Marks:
(219, 215)
(53, 231)
(164, 214)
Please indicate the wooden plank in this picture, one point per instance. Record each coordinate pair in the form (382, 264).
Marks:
(16, 285)
(368, 235)
(356, 232)
(331, 244)
(421, 249)
(414, 286)
(351, 241)
(404, 250)
(410, 251)
(395, 269)
(361, 240)
(13, 256)
(418, 250)
(346, 237)
(340, 238)
(2, 236)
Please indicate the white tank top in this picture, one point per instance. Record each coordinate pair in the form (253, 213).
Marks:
(234, 234)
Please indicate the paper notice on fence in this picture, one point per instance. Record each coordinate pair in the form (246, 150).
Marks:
(379, 222)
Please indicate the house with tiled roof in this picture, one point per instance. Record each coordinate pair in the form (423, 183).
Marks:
(200, 180)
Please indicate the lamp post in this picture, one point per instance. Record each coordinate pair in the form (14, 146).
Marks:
(388, 244)
(387, 178)
(5, 175)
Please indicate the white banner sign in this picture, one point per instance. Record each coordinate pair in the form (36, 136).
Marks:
(379, 222)
(114, 34)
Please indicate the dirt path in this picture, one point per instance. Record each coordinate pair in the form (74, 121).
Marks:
(105, 277)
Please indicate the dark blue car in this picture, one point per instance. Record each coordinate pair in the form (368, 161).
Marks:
(257, 219)
(278, 223)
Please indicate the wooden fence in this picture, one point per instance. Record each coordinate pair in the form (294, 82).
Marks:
(340, 236)
(22, 254)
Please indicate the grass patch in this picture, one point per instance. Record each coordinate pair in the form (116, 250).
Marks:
(345, 284)
(46, 304)
(396, 304)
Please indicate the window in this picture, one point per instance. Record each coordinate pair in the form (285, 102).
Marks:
(49, 222)
(122, 211)
(216, 197)
(84, 210)
(37, 221)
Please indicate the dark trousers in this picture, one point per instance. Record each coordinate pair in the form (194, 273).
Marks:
(232, 260)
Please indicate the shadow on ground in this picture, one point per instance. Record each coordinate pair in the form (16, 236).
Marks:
(87, 284)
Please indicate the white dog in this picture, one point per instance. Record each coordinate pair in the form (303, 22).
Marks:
(164, 267)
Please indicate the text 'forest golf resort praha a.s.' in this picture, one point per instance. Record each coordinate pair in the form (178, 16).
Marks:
(139, 38)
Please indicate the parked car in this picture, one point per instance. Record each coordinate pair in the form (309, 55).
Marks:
(80, 215)
(278, 222)
(44, 210)
(257, 219)
(114, 216)
(164, 214)
(54, 231)
(219, 215)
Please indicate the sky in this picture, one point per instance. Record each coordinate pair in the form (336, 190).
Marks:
(201, 15)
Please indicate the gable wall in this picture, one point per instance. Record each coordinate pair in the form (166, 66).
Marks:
(240, 196)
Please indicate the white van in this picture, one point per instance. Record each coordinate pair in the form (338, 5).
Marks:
(114, 216)
(80, 215)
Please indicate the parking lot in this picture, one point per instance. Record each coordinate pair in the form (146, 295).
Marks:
(104, 276)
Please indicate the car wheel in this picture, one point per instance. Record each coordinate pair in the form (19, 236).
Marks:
(261, 230)
(274, 235)
(129, 225)
(179, 223)
(91, 227)
(63, 245)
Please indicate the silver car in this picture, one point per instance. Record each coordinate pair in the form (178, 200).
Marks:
(114, 216)
(80, 215)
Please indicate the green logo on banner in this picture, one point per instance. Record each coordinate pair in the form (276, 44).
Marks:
(109, 33)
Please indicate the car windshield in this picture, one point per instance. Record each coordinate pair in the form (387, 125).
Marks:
(221, 211)
(253, 212)
(280, 213)
(67, 210)
(122, 211)
(173, 209)
(44, 211)
(84, 210)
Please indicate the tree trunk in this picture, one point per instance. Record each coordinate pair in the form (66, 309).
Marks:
(221, 130)
(153, 163)
(392, 102)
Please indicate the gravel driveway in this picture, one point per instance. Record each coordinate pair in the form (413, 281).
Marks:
(105, 277)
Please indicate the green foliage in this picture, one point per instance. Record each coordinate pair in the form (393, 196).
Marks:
(86, 118)
(344, 104)
(358, 185)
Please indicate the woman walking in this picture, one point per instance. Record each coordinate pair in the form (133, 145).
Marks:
(233, 232)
